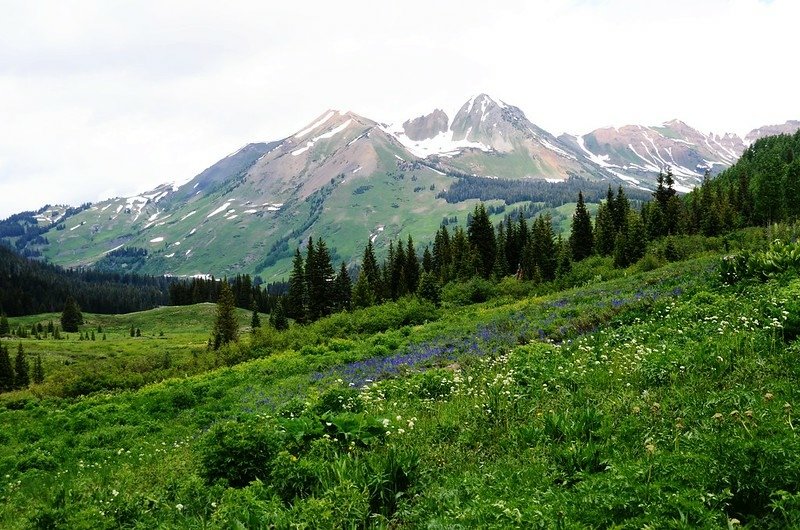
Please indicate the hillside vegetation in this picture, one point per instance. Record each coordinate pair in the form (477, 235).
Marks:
(662, 398)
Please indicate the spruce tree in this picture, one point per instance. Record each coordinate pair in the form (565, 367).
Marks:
(605, 231)
(21, 378)
(320, 277)
(427, 260)
(5, 327)
(225, 327)
(371, 273)
(362, 292)
(71, 317)
(581, 238)
(6, 371)
(481, 237)
(38, 370)
(255, 320)
(277, 318)
(412, 271)
(343, 289)
(295, 298)
(429, 288)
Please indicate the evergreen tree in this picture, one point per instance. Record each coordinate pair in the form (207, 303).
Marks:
(481, 238)
(295, 305)
(500, 269)
(372, 275)
(363, 295)
(320, 277)
(225, 327)
(255, 319)
(71, 317)
(6, 371)
(57, 333)
(5, 327)
(277, 318)
(133, 331)
(605, 231)
(411, 271)
(620, 211)
(543, 247)
(38, 370)
(92, 334)
(427, 260)
(21, 379)
(343, 289)
(581, 239)
(564, 258)
(429, 288)
(138, 332)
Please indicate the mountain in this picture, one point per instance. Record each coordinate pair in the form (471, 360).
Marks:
(790, 127)
(491, 138)
(637, 153)
(347, 179)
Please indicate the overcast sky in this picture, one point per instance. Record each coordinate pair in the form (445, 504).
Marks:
(105, 98)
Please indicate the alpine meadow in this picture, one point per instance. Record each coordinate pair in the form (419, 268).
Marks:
(453, 320)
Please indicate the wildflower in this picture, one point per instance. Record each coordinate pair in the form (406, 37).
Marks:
(114, 493)
(718, 416)
(179, 507)
(768, 396)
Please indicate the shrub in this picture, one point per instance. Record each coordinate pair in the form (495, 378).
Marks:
(239, 451)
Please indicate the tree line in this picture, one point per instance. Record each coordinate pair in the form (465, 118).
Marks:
(30, 287)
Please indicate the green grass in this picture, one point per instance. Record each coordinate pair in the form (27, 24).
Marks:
(658, 398)
(173, 341)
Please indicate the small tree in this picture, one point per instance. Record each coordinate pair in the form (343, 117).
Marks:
(138, 332)
(6, 371)
(225, 328)
(133, 331)
(22, 379)
(71, 317)
(277, 318)
(38, 370)
(429, 288)
(581, 238)
(5, 328)
(255, 320)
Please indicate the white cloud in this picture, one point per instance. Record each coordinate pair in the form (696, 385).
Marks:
(118, 96)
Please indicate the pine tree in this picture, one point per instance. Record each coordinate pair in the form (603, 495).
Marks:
(320, 276)
(6, 371)
(277, 318)
(225, 327)
(362, 292)
(133, 331)
(605, 231)
(343, 289)
(57, 333)
(21, 379)
(429, 288)
(295, 305)
(138, 332)
(411, 271)
(372, 274)
(427, 260)
(255, 320)
(71, 317)
(38, 370)
(481, 238)
(581, 238)
(5, 327)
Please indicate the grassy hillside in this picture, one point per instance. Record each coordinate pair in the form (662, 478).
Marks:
(172, 343)
(660, 398)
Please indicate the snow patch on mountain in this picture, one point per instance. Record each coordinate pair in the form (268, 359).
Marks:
(314, 125)
(218, 210)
